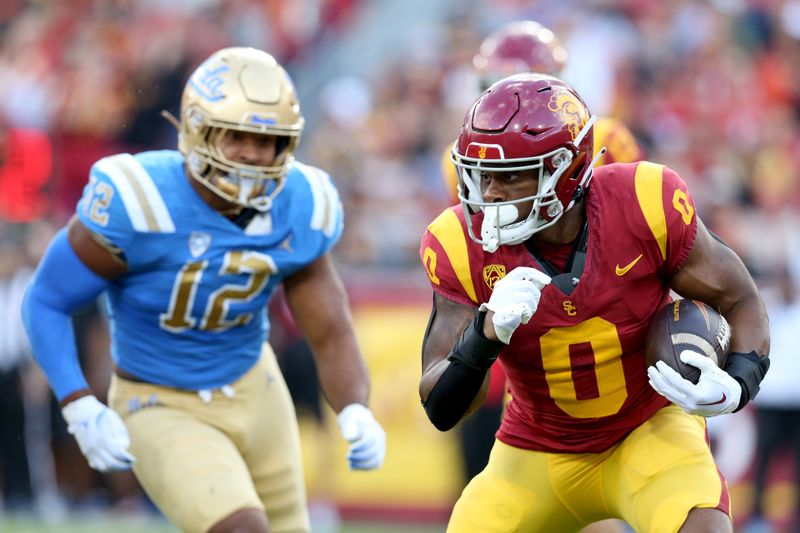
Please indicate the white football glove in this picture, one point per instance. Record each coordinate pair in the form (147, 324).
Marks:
(100, 433)
(514, 300)
(716, 392)
(365, 435)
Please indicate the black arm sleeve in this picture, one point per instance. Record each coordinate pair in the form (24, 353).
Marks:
(471, 357)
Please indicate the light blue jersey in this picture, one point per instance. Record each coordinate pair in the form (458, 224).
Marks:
(191, 310)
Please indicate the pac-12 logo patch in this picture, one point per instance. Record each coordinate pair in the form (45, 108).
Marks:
(492, 274)
(199, 241)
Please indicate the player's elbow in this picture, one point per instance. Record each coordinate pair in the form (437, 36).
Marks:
(40, 300)
(457, 391)
(444, 414)
(26, 307)
(441, 418)
(34, 302)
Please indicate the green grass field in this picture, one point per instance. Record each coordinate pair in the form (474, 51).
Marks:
(126, 525)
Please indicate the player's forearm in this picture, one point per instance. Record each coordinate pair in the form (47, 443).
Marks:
(342, 371)
(451, 388)
(61, 285)
(714, 274)
(52, 340)
(748, 361)
(749, 326)
(457, 392)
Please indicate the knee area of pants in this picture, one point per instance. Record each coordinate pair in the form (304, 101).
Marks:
(243, 521)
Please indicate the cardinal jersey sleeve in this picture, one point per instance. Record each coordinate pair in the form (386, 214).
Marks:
(120, 200)
(445, 255)
(669, 213)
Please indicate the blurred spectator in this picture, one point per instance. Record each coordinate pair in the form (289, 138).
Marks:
(14, 358)
(25, 167)
(709, 88)
(27, 473)
(778, 403)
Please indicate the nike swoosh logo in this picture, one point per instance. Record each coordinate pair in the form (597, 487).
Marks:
(621, 271)
(721, 400)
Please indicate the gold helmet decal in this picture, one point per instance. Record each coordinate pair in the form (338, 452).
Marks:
(244, 90)
(570, 108)
(492, 274)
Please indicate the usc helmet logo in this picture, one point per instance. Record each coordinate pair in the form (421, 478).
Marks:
(492, 274)
(572, 110)
(482, 152)
(570, 309)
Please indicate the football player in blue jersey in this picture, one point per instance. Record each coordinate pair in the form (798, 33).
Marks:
(188, 246)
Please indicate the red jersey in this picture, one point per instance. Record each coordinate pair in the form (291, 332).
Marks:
(577, 371)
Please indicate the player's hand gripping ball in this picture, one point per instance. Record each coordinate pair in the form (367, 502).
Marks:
(687, 325)
(686, 348)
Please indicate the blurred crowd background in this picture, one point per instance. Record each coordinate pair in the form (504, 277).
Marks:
(709, 87)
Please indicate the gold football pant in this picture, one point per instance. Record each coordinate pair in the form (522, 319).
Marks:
(199, 462)
(651, 479)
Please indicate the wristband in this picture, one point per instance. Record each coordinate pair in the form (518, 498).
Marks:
(748, 369)
(473, 348)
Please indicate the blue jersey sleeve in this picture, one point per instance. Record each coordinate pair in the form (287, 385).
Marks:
(61, 284)
(123, 200)
(102, 208)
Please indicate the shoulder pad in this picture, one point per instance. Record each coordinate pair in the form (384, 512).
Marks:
(326, 214)
(140, 196)
(445, 256)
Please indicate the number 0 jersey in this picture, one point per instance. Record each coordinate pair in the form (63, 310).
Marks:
(190, 312)
(576, 371)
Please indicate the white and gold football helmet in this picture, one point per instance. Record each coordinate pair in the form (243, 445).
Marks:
(246, 90)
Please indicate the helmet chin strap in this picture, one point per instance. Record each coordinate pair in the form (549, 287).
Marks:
(246, 187)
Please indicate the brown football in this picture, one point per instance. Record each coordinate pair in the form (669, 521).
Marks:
(687, 325)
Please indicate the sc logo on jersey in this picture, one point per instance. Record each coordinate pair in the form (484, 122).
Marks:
(569, 308)
(492, 274)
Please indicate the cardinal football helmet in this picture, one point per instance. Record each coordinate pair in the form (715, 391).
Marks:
(524, 122)
(246, 90)
(524, 46)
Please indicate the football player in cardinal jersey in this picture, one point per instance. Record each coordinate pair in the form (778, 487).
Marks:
(515, 48)
(188, 246)
(553, 269)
